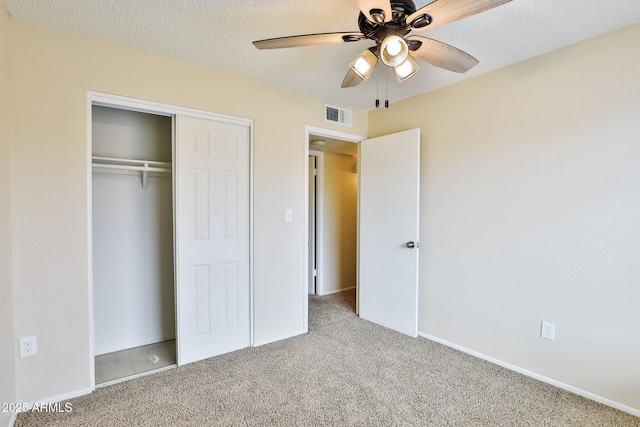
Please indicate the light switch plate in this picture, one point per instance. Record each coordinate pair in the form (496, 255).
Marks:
(288, 215)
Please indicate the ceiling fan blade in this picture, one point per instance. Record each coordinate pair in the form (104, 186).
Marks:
(308, 40)
(351, 79)
(366, 6)
(445, 11)
(442, 55)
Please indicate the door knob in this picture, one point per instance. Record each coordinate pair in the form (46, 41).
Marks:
(410, 244)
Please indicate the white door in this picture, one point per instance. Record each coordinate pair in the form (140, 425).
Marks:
(389, 218)
(212, 214)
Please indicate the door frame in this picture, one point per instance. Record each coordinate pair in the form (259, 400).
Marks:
(319, 218)
(151, 107)
(327, 133)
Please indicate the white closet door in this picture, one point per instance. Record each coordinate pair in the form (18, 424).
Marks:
(212, 214)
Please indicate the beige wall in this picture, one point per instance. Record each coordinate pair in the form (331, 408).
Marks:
(6, 291)
(339, 222)
(53, 72)
(530, 210)
(529, 203)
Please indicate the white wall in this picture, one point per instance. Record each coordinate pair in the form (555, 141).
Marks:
(52, 73)
(133, 286)
(339, 222)
(7, 349)
(530, 209)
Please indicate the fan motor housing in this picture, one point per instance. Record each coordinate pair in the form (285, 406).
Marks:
(397, 25)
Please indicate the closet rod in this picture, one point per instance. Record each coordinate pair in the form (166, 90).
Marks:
(129, 161)
(130, 168)
(144, 169)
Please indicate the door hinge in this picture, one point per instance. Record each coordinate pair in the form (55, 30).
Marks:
(315, 273)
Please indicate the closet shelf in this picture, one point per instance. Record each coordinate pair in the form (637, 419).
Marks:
(144, 166)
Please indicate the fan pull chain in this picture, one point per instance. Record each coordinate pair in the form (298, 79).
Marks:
(377, 87)
(386, 91)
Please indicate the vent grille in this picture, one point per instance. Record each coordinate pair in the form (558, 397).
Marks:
(337, 115)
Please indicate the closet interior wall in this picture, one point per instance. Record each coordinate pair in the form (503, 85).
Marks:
(133, 254)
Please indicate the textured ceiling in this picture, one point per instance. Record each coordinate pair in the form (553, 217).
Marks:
(218, 34)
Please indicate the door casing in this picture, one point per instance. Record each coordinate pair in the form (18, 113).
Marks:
(317, 222)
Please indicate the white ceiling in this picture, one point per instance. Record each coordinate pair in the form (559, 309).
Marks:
(218, 34)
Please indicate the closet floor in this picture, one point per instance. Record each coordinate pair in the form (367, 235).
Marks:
(134, 361)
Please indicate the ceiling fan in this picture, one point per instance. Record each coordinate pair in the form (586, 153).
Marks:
(389, 24)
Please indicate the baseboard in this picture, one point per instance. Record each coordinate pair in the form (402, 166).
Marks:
(12, 420)
(62, 397)
(279, 338)
(54, 399)
(337, 291)
(550, 381)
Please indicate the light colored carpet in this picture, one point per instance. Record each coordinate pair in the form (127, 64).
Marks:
(344, 372)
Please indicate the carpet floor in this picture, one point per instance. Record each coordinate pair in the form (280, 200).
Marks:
(344, 372)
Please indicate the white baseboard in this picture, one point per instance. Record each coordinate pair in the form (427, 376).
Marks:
(337, 291)
(551, 381)
(12, 420)
(53, 399)
(65, 396)
(279, 338)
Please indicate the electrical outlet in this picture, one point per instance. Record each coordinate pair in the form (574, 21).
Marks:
(28, 346)
(548, 330)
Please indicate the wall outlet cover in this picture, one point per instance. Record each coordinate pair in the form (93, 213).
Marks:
(548, 330)
(28, 346)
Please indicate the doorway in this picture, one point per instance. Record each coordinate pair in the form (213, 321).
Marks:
(132, 226)
(332, 200)
(389, 162)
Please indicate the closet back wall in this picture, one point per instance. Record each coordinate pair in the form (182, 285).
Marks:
(133, 274)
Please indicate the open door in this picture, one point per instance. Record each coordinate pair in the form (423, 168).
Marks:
(212, 213)
(388, 231)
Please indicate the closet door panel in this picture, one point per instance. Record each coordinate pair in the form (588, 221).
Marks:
(203, 299)
(201, 205)
(212, 206)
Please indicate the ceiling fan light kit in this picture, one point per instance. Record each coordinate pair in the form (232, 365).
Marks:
(389, 23)
(364, 64)
(406, 70)
(393, 50)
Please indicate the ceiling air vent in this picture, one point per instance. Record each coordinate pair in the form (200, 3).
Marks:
(336, 115)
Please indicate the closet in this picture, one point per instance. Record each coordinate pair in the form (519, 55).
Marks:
(170, 235)
(133, 247)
